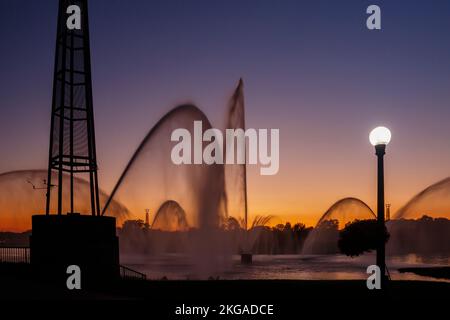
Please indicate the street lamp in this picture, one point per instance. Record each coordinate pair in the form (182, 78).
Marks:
(379, 138)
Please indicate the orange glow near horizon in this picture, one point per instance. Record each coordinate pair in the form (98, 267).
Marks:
(286, 197)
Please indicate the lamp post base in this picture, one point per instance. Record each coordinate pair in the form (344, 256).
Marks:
(246, 258)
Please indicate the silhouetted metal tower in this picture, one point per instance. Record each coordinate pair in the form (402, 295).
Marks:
(72, 135)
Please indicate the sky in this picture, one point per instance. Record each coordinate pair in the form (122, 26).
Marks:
(311, 69)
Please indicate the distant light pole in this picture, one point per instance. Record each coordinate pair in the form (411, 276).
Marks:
(380, 137)
(147, 218)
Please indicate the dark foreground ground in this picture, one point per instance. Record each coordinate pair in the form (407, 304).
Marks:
(435, 272)
(163, 297)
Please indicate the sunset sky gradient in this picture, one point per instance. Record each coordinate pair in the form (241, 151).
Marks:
(311, 69)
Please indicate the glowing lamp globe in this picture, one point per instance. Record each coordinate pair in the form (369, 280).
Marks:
(380, 135)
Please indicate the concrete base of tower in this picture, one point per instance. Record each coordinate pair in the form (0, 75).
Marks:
(246, 258)
(88, 242)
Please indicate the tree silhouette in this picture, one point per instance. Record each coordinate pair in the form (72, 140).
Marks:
(360, 236)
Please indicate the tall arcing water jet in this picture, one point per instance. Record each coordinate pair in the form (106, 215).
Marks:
(207, 194)
(170, 217)
(433, 201)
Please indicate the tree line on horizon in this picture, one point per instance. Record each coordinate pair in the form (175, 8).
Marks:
(420, 236)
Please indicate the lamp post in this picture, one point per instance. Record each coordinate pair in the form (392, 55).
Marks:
(379, 138)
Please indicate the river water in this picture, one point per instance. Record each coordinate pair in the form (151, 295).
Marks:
(292, 267)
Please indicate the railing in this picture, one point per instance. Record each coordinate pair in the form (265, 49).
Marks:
(22, 255)
(127, 273)
(15, 254)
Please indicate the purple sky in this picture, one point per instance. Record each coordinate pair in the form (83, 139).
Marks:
(311, 69)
